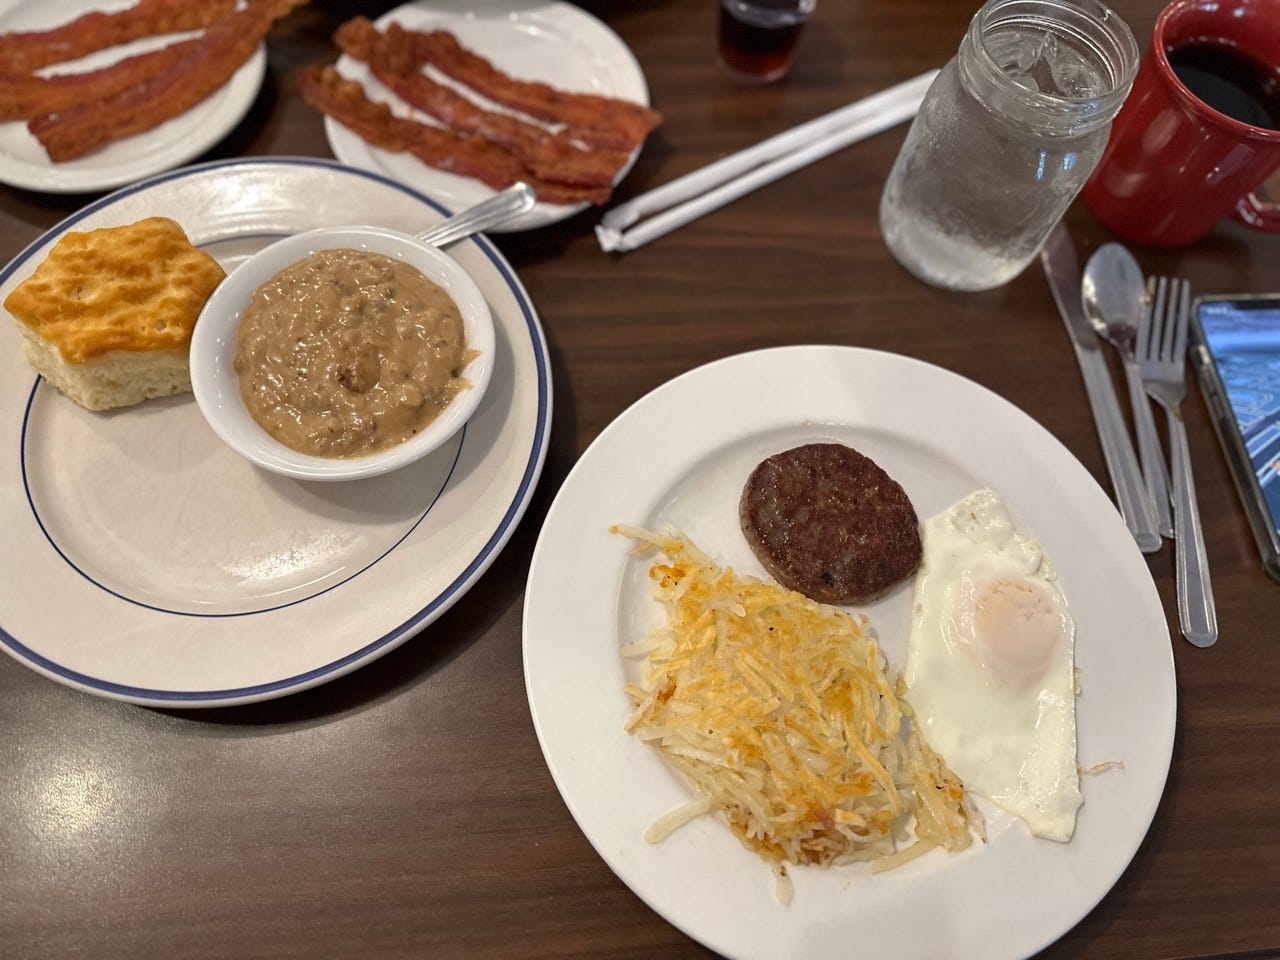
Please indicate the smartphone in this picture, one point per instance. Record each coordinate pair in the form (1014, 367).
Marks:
(1235, 348)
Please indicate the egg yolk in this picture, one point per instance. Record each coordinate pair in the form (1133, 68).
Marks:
(1016, 629)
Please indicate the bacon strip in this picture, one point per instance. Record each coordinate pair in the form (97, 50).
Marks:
(206, 67)
(601, 122)
(345, 100)
(23, 52)
(24, 97)
(390, 58)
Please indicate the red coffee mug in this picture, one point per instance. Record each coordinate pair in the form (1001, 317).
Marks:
(1173, 166)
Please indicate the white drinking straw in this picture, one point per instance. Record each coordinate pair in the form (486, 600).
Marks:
(714, 185)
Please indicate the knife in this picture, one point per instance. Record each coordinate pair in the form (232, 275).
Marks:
(1062, 269)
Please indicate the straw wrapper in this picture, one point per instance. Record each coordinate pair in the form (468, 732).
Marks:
(707, 189)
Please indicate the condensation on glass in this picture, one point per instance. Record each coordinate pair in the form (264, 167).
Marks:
(1006, 137)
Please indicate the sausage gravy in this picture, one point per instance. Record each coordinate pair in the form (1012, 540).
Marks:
(348, 352)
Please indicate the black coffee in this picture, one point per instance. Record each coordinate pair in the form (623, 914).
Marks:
(1230, 81)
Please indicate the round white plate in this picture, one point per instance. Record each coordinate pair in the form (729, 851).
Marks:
(681, 455)
(556, 43)
(24, 163)
(146, 561)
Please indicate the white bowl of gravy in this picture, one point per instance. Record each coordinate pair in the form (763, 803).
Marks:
(342, 353)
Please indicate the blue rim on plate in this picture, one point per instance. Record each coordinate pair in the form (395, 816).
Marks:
(436, 605)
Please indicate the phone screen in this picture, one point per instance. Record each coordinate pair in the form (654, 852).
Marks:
(1243, 339)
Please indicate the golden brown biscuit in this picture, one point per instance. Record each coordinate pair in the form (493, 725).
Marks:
(136, 287)
(107, 317)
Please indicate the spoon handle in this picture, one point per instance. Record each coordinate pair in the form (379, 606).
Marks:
(1196, 611)
(1117, 449)
(514, 200)
(1153, 468)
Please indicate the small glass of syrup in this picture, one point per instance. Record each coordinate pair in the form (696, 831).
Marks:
(758, 37)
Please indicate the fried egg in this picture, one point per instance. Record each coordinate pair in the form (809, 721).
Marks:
(990, 665)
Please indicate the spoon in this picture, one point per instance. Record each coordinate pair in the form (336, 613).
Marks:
(511, 202)
(1114, 296)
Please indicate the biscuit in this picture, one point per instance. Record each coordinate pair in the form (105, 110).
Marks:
(107, 317)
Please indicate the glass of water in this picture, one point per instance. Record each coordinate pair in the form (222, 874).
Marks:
(1006, 137)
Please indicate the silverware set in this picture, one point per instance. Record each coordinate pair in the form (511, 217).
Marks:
(1147, 324)
(1058, 255)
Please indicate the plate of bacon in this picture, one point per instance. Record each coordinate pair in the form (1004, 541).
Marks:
(462, 100)
(95, 95)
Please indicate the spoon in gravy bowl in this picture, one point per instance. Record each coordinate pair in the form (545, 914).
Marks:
(363, 318)
(507, 205)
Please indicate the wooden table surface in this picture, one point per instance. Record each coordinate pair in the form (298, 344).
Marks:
(405, 810)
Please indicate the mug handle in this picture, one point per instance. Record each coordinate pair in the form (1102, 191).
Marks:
(1258, 213)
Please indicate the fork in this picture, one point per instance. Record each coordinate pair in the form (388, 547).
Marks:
(1162, 351)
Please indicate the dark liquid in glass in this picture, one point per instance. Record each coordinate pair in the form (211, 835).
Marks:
(1225, 78)
(758, 40)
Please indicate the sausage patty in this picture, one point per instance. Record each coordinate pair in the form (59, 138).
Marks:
(828, 522)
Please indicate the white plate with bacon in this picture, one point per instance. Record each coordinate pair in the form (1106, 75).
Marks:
(501, 91)
(680, 456)
(88, 83)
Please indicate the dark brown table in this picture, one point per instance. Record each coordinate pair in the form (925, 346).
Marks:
(405, 810)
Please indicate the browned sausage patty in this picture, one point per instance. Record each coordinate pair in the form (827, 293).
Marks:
(828, 522)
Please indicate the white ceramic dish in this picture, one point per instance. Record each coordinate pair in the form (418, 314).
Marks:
(680, 455)
(555, 43)
(24, 163)
(213, 347)
(144, 560)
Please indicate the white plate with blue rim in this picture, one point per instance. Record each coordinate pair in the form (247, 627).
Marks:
(23, 161)
(146, 561)
(680, 456)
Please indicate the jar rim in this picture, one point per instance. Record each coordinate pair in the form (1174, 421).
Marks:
(1088, 22)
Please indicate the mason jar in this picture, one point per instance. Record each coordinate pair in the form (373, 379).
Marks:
(1006, 137)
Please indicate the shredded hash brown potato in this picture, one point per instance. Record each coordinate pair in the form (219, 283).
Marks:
(782, 714)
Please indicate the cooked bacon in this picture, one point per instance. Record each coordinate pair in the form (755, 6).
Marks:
(334, 95)
(390, 57)
(24, 52)
(24, 97)
(345, 100)
(360, 37)
(601, 122)
(207, 65)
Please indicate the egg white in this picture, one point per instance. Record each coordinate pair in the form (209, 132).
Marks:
(990, 664)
